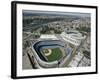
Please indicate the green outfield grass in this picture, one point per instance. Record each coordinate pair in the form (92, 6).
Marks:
(55, 55)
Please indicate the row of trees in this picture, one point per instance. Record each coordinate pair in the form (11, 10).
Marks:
(46, 29)
(83, 28)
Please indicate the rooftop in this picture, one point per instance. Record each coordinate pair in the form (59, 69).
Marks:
(48, 36)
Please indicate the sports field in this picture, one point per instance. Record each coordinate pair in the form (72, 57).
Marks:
(55, 54)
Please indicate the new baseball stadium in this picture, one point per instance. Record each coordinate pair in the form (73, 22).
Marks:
(51, 51)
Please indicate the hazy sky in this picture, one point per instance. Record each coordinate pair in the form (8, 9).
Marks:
(57, 13)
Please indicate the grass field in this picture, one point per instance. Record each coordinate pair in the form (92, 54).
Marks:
(55, 55)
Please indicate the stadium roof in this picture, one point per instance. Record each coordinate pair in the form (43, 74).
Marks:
(48, 36)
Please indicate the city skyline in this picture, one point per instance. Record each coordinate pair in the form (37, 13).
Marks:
(53, 13)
